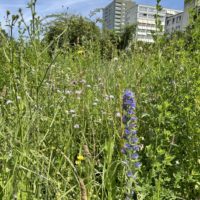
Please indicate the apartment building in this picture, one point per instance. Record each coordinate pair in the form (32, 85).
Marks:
(180, 21)
(115, 13)
(174, 23)
(144, 17)
(126, 12)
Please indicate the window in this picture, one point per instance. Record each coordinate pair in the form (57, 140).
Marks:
(142, 30)
(178, 19)
(173, 20)
(142, 9)
(152, 10)
(150, 16)
(168, 22)
(143, 15)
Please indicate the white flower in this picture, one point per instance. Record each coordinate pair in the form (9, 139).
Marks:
(76, 126)
(96, 100)
(78, 92)
(177, 162)
(118, 114)
(73, 115)
(9, 102)
(83, 81)
(106, 97)
(72, 111)
(68, 92)
(111, 97)
(115, 59)
(88, 86)
(94, 104)
(140, 48)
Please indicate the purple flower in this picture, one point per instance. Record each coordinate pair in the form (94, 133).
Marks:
(133, 119)
(134, 132)
(136, 148)
(127, 131)
(131, 146)
(131, 112)
(123, 151)
(135, 156)
(128, 146)
(134, 140)
(138, 164)
(128, 93)
(132, 125)
(125, 119)
(129, 174)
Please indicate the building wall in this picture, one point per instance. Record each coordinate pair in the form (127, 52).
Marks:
(144, 17)
(123, 12)
(174, 23)
(114, 14)
(187, 8)
(180, 21)
(109, 16)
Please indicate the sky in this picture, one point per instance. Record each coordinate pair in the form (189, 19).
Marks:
(82, 7)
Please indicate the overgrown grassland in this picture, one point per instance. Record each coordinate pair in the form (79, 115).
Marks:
(53, 109)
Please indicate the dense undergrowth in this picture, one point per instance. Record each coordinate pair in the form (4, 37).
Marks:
(60, 120)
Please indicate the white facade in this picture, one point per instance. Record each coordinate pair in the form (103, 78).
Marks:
(144, 17)
(126, 12)
(180, 21)
(114, 14)
(174, 23)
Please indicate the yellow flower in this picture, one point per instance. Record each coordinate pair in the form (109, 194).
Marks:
(80, 52)
(77, 162)
(80, 158)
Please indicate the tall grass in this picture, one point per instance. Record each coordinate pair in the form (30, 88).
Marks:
(61, 132)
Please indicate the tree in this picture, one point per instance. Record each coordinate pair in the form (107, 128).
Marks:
(68, 31)
(126, 36)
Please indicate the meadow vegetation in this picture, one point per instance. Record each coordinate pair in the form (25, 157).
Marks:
(61, 129)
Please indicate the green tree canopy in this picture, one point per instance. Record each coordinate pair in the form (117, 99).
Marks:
(70, 30)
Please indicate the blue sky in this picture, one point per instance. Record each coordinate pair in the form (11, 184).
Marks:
(82, 7)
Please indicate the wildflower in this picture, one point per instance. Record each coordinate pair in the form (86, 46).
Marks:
(94, 104)
(123, 151)
(135, 140)
(77, 162)
(68, 92)
(115, 59)
(118, 114)
(83, 81)
(88, 86)
(129, 174)
(138, 164)
(80, 52)
(80, 157)
(9, 102)
(76, 126)
(111, 97)
(96, 100)
(135, 156)
(131, 146)
(72, 111)
(136, 147)
(78, 92)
